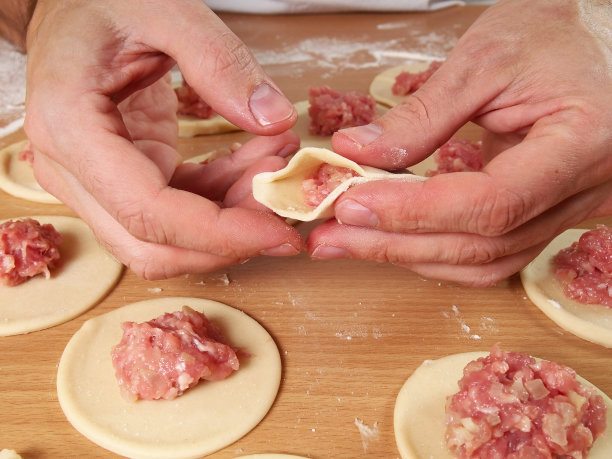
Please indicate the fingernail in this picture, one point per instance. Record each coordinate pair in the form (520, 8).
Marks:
(287, 150)
(268, 106)
(328, 252)
(352, 213)
(362, 135)
(282, 250)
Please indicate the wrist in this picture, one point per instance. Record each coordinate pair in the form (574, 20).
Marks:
(15, 17)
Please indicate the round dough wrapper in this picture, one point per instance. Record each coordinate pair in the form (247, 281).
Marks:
(312, 140)
(204, 419)
(17, 177)
(85, 274)
(281, 191)
(191, 126)
(592, 322)
(419, 414)
(380, 87)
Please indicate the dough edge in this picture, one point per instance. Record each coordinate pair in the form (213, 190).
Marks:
(286, 199)
(541, 287)
(94, 429)
(13, 187)
(110, 267)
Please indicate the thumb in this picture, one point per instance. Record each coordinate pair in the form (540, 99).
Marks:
(221, 69)
(418, 125)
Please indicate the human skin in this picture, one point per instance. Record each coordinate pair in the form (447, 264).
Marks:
(101, 116)
(537, 76)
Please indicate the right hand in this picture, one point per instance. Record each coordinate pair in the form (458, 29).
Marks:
(102, 122)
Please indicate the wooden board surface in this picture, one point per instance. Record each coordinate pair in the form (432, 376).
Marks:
(349, 333)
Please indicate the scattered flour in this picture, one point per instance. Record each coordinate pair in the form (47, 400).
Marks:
(367, 433)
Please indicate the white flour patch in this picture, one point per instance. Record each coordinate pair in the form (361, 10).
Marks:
(367, 433)
(335, 55)
(463, 326)
(12, 88)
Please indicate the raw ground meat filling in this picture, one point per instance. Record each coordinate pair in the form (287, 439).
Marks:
(162, 358)
(189, 103)
(407, 82)
(27, 249)
(511, 406)
(325, 180)
(458, 155)
(331, 110)
(585, 268)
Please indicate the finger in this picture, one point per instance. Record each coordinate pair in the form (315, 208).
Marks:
(513, 188)
(213, 179)
(333, 240)
(133, 191)
(484, 275)
(147, 260)
(221, 69)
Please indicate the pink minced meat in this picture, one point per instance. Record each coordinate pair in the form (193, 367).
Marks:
(511, 406)
(406, 82)
(27, 154)
(331, 110)
(324, 180)
(27, 249)
(458, 155)
(190, 103)
(162, 358)
(585, 268)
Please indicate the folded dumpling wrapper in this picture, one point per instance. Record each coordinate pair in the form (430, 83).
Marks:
(282, 192)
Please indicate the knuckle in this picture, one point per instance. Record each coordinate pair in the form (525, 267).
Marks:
(497, 213)
(230, 55)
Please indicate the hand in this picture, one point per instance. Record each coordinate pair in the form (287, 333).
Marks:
(538, 80)
(102, 121)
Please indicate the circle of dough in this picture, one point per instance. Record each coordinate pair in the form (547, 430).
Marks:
(85, 274)
(206, 418)
(382, 84)
(419, 413)
(17, 177)
(592, 322)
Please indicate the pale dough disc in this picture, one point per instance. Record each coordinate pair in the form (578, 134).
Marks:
(591, 322)
(191, 126)
(419, 414)
(17, 177)
(281, 191)
(84, 276)
(312, 140)
(380, 87)
(206, 418)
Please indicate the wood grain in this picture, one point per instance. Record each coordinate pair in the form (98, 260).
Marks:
(349, 333)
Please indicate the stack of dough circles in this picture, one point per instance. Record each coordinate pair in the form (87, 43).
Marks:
(281, 191)
(204, 419)
(419, 414)
(17, 177)
(303, 122)
(84, 275)
(382, 84)
(592, 322)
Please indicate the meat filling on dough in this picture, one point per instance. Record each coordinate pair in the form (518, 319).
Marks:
(331, 110)
(511, 405)
(162, 358)
(585, 268)
(27, 249)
